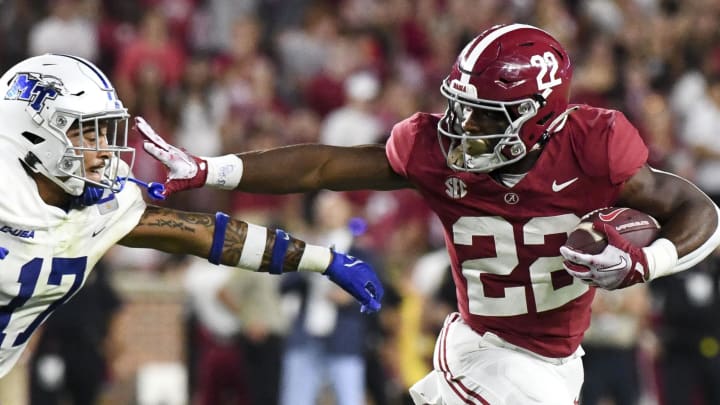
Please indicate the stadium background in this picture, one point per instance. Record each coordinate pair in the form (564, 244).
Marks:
(221, 76)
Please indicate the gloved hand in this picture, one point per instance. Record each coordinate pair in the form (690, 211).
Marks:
(358, 279)
(619, 265)
(185, 171)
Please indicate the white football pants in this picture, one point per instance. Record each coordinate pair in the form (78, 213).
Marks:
(475, 369)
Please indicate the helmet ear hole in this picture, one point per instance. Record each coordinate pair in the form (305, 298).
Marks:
(70, 164)
(542, 121)
(34, 139)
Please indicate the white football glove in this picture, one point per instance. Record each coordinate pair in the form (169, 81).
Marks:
(619, 265)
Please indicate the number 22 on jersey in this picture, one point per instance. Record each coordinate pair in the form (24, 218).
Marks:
(506, 261)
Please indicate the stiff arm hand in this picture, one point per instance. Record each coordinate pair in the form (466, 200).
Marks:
(185, 171)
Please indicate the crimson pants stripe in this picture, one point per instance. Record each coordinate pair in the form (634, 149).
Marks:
(462, 391)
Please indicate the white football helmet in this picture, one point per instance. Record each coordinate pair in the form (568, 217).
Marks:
(45, 96)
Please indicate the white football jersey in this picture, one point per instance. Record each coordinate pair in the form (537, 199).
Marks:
(50, 252)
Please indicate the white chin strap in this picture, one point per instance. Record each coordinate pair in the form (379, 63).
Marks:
(73, 186)
(559, 122)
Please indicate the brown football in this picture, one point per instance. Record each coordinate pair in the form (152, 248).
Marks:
(639, 228)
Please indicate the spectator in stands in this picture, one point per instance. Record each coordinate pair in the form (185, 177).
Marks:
(619, 320)
(256, 303)
(689, 333)
(326, 340)
(355, 122)
(65, 30)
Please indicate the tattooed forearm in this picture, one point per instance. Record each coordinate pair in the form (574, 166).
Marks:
(195, 234)
(184, 221)
(235, 237)
(234, 241)
(293, 255)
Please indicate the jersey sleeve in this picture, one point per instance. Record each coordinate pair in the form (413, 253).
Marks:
(400, 144)
(627, 152)
(610, 147)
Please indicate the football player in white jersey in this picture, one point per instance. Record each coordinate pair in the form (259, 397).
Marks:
(70, 196)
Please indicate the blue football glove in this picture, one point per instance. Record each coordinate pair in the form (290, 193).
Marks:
(358, 279)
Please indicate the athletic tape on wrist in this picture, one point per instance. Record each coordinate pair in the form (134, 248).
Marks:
(253, 248)
(282, 240)
(661, 257)
(224, 172)
(315, 258)
(221, 221)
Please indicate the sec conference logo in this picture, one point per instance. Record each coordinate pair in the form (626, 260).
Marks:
(455, 188)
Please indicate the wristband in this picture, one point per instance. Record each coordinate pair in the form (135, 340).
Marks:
(224, 172)
(661, 258)
(282, 240)
(221, 221)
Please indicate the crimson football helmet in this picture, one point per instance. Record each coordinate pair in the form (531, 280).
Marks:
(518, 73)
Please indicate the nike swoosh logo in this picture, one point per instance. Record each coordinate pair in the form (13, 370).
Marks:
(621, 265)
(612, 214)
(558, 187)
(356, 262)
(96, 233)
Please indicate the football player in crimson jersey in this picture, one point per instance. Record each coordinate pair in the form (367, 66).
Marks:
(509, 168)
(70, 198)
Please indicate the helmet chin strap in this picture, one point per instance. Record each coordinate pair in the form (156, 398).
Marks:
(555, 125)
(93, 194)
(71, 185)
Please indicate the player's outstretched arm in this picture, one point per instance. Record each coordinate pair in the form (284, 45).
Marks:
(290, 169)
(690, 232)
(223, 240)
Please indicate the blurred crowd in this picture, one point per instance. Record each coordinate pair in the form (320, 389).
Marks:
(223, 76)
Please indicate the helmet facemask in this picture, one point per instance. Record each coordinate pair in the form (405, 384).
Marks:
(480, 152)
(104, 134)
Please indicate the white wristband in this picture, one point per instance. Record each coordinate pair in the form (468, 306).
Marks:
(315, 258)
(224, 172)
(661, 257)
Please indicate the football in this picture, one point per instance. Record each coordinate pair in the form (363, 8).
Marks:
(639, 228)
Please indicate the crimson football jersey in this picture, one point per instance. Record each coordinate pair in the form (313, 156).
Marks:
(504, 241)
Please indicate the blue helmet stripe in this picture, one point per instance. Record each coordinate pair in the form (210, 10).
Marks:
(97, 71)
